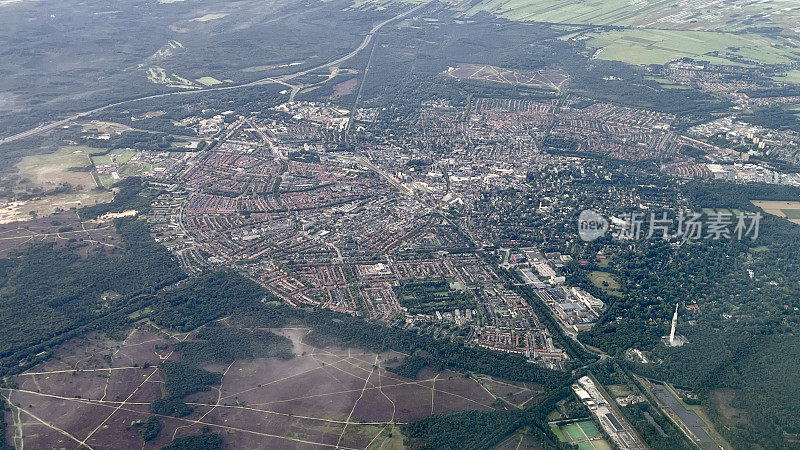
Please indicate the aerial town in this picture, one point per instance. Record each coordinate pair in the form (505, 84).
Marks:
(390, 232)
(400, 224)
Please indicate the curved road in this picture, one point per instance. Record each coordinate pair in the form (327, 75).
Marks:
(283, 79)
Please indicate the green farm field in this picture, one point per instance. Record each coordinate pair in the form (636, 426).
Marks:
(791, 213)
(648, 46)
(596, 12)
(791, 76)
(656, 14)
(208, 81)
(659, 31)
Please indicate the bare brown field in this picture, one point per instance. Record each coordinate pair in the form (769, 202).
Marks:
(776, 208)
(72, 395)
(42, 206)
(331, 397)
(550, 78)
(346, 87)
(59, 228)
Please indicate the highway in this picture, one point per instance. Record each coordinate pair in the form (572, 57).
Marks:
(362, 46)
(283, 79)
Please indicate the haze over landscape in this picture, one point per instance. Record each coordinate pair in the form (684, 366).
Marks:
(390, 224)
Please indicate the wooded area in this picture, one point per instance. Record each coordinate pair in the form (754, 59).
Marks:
(50, 294)
(743, 330)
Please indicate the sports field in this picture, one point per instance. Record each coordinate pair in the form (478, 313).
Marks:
(583, 434)
(125, 171)
(118, 161)
(574, 432)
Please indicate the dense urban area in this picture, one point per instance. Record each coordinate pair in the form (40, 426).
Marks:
(381, 225)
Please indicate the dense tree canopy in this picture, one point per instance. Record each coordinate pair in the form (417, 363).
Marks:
(50, 294)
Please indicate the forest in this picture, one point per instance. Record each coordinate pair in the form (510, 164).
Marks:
(203, 299)
(50, 294)
(131, 195)
(219, 343)
(149, 429)
(742, 328)
(463, 430)
(484, 429)
(410, 366)
(205, 441)
(3, 426)
(182, 379)
(171, 406)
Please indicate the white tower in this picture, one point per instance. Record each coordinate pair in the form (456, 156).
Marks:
(674, 323)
